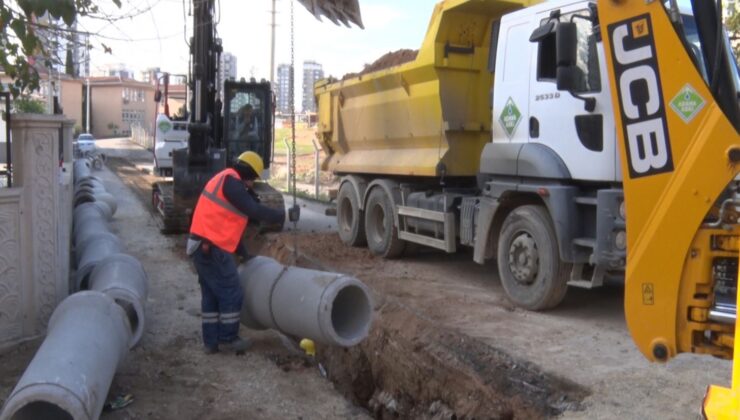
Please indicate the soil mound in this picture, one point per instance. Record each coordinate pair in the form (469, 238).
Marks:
(393, 58)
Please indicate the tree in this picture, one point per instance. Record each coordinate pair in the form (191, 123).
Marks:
(733, 28)
(23, 37)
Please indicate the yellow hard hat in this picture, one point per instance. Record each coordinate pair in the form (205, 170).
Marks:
(254, 160)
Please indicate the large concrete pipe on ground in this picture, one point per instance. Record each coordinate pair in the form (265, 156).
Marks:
(81, 169)
(87, 225)
(84, 210)
(71, 373)
(329, 308)
(122, 277)
(85, 195)
(90, 252)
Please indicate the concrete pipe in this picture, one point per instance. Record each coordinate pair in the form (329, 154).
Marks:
(91, 182)
(122, 277)
(329, 308)
(82, 197)
(86, 227)
(81, 169)
(71, 373)
(88, 180)
(86, 210)
(85, 196)
(90, 252)
(91, 188)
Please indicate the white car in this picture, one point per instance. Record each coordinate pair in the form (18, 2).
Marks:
(85, 145)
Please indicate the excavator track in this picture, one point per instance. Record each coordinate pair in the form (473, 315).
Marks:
(173, 216)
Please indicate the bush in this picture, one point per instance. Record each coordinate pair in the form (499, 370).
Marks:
(26, 105)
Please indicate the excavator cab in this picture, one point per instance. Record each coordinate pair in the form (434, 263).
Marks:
(248, 119)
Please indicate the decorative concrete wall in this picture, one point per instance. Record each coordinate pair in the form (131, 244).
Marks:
(35, 223)
(12, 289)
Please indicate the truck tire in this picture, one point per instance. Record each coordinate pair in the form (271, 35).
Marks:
(380, 227)
(350, 220)
(529, 265)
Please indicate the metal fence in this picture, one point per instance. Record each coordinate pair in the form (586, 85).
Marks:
(142, 136)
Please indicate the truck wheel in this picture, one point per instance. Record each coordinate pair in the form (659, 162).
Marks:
(382, 234)
(350, 223)
(529, 264)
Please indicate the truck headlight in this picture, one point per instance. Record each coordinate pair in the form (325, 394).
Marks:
(620, 240)
(623, 210)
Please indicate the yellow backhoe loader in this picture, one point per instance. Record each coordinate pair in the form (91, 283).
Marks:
(674, 86)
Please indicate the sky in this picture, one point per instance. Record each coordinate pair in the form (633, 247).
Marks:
(156, 36)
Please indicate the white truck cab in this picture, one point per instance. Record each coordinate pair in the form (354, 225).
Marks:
(169, 135)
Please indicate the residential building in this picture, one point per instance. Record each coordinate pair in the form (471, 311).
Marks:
(150, 75)
(282, 89)
(114, 70)
(312, 72)
(226, 70)
(68, 90)
(118, 103)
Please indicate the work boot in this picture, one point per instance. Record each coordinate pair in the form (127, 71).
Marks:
(210, 349)
(239, 345)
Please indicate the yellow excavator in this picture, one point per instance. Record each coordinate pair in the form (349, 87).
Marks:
(674, 86)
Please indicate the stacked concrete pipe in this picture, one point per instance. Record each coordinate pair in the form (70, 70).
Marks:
(328, 308)
(122, 277)
(70, 375)
(89, 188)
(91, 331)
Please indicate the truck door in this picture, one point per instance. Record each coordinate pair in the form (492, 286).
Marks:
(511, 85)
(584, 140)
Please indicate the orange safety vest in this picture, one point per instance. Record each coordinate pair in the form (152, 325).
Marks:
(215, 219)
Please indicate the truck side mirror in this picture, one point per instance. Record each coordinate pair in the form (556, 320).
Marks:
(157, 95)
(567, 73)
(565, 52)
(542, 31)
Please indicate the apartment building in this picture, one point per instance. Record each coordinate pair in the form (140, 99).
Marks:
(118, 103)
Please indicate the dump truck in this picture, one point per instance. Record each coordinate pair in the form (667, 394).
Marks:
(471, 144)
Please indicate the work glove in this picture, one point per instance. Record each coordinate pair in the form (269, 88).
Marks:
(294, 213)
(253, 194)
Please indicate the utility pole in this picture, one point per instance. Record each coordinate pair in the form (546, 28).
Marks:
(272, 75)
(87, 81)
(272, 48)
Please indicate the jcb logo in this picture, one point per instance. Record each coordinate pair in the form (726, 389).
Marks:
(640, 97)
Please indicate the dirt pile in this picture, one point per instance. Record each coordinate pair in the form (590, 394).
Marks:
(388, 60)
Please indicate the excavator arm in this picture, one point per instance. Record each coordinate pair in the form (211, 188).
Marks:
(674, 93)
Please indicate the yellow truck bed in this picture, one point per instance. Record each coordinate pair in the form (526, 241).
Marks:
(428, 117)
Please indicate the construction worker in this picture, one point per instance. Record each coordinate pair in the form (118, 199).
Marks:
(224, 209)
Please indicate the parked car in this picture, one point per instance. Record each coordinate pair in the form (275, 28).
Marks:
(85, 145)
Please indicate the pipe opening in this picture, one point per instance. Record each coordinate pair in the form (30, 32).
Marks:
(83, 198)
(85, 282)
(41, 410)
(131, 315)
(351, 313)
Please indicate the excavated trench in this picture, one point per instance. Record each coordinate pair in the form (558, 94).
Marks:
(411, 367)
